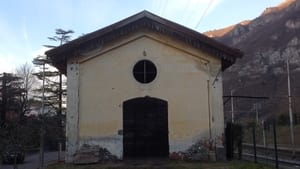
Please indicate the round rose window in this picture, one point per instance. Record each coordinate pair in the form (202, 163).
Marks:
(144, 71)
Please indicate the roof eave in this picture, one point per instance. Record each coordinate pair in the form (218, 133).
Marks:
(156, 23)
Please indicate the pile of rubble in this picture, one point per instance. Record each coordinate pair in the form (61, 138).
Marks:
(202, 150)
(105, 155)
(197, 152)
(89, 154)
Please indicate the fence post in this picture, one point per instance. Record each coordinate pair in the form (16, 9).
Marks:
(229, 141)
(264, 133)
(275, 143)
(254, 143)
(59, 151)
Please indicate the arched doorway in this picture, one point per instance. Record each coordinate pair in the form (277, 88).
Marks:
(145, 128)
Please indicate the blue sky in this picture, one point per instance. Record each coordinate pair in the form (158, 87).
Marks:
(26, 24)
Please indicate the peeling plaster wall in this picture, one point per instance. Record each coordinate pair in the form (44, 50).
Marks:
(72, 110)
(112, 143)
(186, 78)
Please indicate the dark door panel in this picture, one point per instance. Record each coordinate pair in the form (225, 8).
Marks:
(145, 126)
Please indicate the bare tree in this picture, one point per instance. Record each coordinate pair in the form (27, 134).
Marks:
(25, 71)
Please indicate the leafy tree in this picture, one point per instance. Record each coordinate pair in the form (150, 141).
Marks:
(62, 36)
(50, 87)
(54, 89)
(11, 93)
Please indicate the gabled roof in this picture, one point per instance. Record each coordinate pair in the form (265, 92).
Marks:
(142, 20)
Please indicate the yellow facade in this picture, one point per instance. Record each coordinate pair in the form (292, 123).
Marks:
(187, 78)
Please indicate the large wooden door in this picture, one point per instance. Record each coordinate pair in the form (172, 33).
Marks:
(145, 128)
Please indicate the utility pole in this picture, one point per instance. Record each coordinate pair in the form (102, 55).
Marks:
(43, 125)
(290, 105)
(41, 61)
(256, 111)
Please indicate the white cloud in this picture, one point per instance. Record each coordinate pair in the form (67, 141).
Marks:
(20, 40)
(39, 52)
(13, 49)
(25, 33)
(8, 36)
(7, 64)
(24, 30)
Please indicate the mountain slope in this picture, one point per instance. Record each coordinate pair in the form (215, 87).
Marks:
(267, 42)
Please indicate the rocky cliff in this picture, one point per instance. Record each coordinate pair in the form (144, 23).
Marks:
(267, 42)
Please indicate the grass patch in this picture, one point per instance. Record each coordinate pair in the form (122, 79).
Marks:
(165, 165)
(249, 165)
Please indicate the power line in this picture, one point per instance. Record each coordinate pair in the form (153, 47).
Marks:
(164, 7)
(190, 16)
(159, 7)
(153, 5)
(185, 8)
(156, 5)
(204, 13)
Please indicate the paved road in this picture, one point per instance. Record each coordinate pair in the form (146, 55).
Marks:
(32, 161)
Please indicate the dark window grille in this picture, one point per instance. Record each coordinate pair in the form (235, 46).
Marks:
(144, 71)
